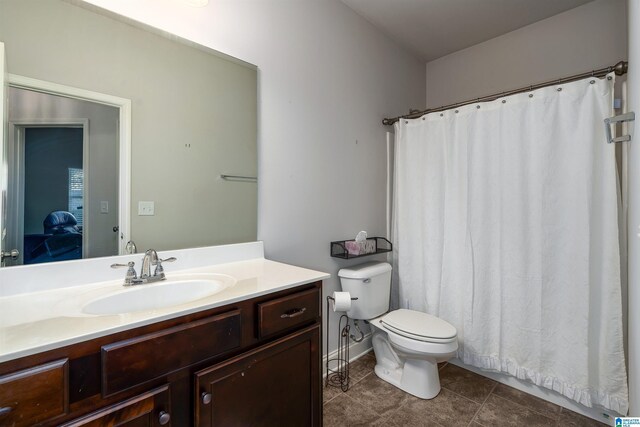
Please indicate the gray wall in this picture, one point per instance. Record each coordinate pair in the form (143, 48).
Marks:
(582, 39)
(48, 155)
(102, 176)
(193, 114)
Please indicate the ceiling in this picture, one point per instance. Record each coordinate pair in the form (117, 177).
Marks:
(435, 28)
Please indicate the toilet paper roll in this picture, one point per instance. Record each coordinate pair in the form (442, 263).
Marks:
(341, 301)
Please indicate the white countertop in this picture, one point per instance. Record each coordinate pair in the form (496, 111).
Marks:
(43, 320)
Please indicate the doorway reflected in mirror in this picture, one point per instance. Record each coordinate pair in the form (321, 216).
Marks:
(63, 177)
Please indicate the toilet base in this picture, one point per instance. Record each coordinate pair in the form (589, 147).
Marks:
(418, 377)
(412, 372)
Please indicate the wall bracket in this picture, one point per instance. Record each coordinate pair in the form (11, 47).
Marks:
(627, 117)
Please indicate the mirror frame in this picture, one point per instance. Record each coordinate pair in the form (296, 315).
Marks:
(124, 138)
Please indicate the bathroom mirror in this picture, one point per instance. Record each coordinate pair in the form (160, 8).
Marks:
(193, 132)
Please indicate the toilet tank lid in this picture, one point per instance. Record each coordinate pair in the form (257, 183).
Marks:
(365, 271)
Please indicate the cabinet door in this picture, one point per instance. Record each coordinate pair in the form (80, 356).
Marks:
(277, 384)
(150, 409)
(34, 395)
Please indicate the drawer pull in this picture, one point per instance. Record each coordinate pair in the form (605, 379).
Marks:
(285, 313)
(206, 398)
(164, 418)
(5, 410)
(293, 313)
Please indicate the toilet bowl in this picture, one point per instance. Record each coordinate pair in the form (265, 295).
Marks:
(408, 360)
(408, 344)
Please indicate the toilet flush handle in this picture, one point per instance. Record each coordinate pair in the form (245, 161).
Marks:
(367, 280)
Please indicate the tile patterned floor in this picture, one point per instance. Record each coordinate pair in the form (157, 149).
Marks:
(466, 399)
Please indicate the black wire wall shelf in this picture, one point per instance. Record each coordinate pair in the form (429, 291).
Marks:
(347, 249)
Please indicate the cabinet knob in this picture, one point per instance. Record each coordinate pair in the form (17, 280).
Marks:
(5, 410)
(206, 398)
(164, 418)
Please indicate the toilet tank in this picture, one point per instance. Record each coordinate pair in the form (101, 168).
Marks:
(371, 284)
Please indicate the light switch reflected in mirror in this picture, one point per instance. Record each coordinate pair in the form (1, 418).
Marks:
(193, 118)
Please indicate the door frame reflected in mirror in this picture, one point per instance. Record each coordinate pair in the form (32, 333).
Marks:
(124, 139)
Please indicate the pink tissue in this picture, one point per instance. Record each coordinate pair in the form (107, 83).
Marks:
(352, 247)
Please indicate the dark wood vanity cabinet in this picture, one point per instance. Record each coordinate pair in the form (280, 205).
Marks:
(273, 385)
(254, 362)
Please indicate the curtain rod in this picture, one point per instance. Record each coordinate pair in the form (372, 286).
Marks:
(620, 68)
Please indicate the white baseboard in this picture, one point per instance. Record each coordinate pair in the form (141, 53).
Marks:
(356, 351)
(543, 393)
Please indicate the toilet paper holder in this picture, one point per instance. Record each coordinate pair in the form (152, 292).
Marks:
(340, 301)
(333, 299)
(339, 375)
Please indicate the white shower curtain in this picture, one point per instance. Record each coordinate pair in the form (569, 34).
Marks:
(505, 225)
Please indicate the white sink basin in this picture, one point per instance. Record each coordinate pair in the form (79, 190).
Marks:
(153, 296)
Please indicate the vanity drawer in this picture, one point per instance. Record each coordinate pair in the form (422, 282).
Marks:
(148, 409)
(128, 363)
(283, 313)
(34, 395)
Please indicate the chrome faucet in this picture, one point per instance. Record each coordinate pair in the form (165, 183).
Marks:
(150, 259)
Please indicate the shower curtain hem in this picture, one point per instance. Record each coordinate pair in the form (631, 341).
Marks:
(586, 397)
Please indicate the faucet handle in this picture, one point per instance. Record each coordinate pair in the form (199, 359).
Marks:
(130, 264)
(159, 270)
(131, 272)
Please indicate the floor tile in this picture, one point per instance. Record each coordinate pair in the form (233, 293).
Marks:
(451, 373)
(378, 395)
(369, 360)
(498, 411)
(329, 392)
(525, 399)
(343, 411)
(358, 369)
(403, 419)
(446, 409)
(570, 418)
(466, 383)
(371, 401)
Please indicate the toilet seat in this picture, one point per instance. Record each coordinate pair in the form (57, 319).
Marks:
(419, 326)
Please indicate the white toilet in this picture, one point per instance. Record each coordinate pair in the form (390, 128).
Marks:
(408, 344)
